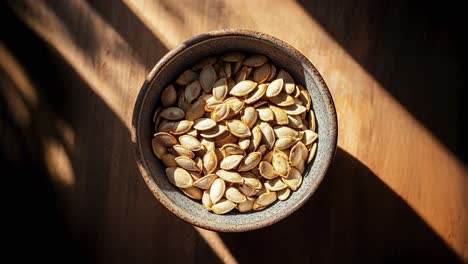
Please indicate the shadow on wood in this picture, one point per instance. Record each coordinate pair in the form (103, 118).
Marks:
(415, 50)
(107, 214)
(353, 217)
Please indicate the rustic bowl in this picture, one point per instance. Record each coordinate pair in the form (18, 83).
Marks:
(181, 58)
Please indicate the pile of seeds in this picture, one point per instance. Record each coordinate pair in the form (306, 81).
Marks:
(235, 132)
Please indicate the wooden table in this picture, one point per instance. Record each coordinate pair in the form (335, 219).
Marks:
(397, 191)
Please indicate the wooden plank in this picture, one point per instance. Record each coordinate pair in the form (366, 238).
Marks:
(394, 191)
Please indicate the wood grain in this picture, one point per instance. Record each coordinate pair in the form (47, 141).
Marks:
(395, 192)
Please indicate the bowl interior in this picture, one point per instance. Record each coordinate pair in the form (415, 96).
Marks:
(282, 56)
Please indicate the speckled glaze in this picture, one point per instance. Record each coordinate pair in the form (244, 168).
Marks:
(181, 58)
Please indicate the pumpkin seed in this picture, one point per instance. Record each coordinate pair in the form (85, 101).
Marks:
(236, 67)
(193, 132)
(243, 88)
(244, 143)
(282, 99)
(225, 138)
(165, 139)
(250, 161)
(281, 117)
(234, 195)
(220, 112)
(255, 60)
(242, 74)
(305, 98)
(176, 127)
(195, 175)
(172, 113)
(280, 164)
(169, 160)
(233, 56)
(272, 75)
(294, 109)
(206, 200)
(192, 91)
(312, 124)
(246, 206)
(251, 180)
(274, 88)
(187, 77)
(231, 162)
(223, 206)
(179, 177)
(309, 137)
(207, 78)
(182, 102)
(312, 152)
(300, 166)
(249, 116)
(156, 117)
(220, 89)
(169, 96)
(268, 136)
(261, 191)
(289, 85)
(297, 153)
(230, 176)
(208, 144)
(230, 84)
(190, 143)
(217, 190)
(262, 149)
(294, 179)
(210, 161)
(267, 171)
(213, 132)
(247, 190)
(295, 121)
(297, 92)
(238, 128)
(195, 110)
(259, 103)
(193, 192)
(227, 70)
(181, 151)
(264, 200)
(203, 124)
(221, 73)
(284, 194)
(232, 149)
(265, 114)
(206, 181)
(284, 131)
(158, 149)
(187, 163)
(262, 73)
(256, 136)
(234, 104)
(256, 94)
(284, 143)
(275, 185)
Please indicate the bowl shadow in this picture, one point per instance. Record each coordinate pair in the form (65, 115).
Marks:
(352, 217)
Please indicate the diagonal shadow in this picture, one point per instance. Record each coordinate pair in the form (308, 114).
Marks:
(415, 50)
(144, 43)
(108, 215)
(352, 218)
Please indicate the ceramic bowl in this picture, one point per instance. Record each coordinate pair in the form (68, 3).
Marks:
(181, 58)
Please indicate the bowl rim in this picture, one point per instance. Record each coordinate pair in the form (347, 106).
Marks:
(136, 143)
